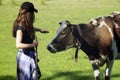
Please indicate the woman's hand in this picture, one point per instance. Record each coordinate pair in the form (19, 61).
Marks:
(35, 43)
(41, 30)
(44, 31)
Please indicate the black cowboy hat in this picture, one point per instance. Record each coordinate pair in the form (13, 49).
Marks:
(29, 7)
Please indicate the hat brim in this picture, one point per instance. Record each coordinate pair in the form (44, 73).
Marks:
(36, 10)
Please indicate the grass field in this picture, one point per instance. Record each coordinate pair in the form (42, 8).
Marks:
(59, 66)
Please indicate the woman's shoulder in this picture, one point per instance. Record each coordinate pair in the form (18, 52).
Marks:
(19, 27)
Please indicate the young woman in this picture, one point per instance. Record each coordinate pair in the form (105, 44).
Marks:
(24, 32)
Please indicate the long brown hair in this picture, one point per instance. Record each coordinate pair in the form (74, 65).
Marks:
(26, 20)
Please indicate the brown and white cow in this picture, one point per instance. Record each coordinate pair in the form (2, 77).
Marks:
(98, 39)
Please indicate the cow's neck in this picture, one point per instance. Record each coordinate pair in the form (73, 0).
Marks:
(91, 51)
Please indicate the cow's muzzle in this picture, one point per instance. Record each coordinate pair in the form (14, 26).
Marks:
(51, 48)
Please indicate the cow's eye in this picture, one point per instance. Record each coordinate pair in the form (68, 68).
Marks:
(63, 33)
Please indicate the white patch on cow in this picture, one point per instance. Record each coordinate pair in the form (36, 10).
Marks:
(98, 62)
(107, 72)
(62, 26)
(94, 22)
(116, 25)
(109, 29)
(116, 12)
(103, 57)
(101, 24)
(112, 16)
(96, 73)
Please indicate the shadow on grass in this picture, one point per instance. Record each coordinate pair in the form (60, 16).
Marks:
(7, 77)
(75, 75)
(115, 75)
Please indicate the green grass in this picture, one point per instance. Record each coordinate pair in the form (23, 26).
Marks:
(59, 66)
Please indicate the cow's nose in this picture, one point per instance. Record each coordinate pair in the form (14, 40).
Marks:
(51, 49)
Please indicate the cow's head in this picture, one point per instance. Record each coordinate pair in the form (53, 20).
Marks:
(64, 38)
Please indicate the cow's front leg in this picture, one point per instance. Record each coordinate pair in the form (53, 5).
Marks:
(96, 71)
(108, 70)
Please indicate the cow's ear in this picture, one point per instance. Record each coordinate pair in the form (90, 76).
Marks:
(60, 23)
(68, 22)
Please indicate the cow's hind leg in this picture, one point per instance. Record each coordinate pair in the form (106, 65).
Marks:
(109, 63)
(108, 70)
(96, 71)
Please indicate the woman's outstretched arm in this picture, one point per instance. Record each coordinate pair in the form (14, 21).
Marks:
(40, 30)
